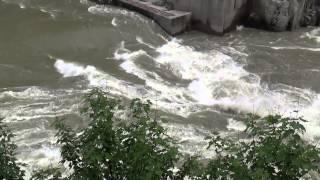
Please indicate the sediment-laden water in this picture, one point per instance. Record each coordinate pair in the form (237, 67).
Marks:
(53, 52)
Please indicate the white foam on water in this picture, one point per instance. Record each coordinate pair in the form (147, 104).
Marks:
(190, 139)
(296, 48)
(289, 48)
(69, 69)
(313, 35)
(28, 137)
(28, 93)
(312, 114)
(217, 80)
(189, 64)
(30, 112)
(20, 3)
(164, 96)
(86, 2)
(236, 125)
(95, 77)
(157, 89)
(52, 13)
(141, 41)
(124, 54)
(214, 76)
(34, 103)
(22, 6)
(44, 157)
(240, 28)
(100, 9)
(114, 23)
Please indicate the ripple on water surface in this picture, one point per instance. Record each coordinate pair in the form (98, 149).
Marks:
(181, 80)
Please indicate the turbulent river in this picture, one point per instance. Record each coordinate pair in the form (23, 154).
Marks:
(54, 51)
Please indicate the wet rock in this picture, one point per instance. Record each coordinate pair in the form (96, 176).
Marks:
(275, 14)
(318, 12)
(282, 15)
(318, 16)
(309, 16)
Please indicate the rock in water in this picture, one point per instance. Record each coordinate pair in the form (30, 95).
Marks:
(282, 15)
(309, 16)
(275, 14)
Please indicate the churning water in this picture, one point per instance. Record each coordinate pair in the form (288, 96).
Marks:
(53, 52)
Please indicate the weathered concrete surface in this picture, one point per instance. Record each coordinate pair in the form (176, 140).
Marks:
(217, 16)
(214, 16)
(220, 16)
(172, 21)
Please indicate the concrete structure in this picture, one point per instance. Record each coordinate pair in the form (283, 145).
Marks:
(172, 21)
(220, 16)
(216, 16)
(176, 16)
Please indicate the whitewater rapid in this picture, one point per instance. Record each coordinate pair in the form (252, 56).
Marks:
(180, 79)
(208, 80)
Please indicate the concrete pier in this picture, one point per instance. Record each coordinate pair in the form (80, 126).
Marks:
(221, 16)
(176, 16)
(172, 21)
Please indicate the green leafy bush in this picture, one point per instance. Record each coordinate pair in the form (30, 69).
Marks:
(127, 142)
(10, 168)
(111, 148)
(273, 149)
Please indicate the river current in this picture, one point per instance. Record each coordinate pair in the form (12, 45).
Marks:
(53, 52)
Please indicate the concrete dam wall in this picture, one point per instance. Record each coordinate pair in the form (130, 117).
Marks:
(216, 16)
(221, 16)
(177, 16)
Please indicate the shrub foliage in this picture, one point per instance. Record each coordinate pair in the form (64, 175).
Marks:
(10, 168)
(127, 142)
(273, 149)
(111, 148)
